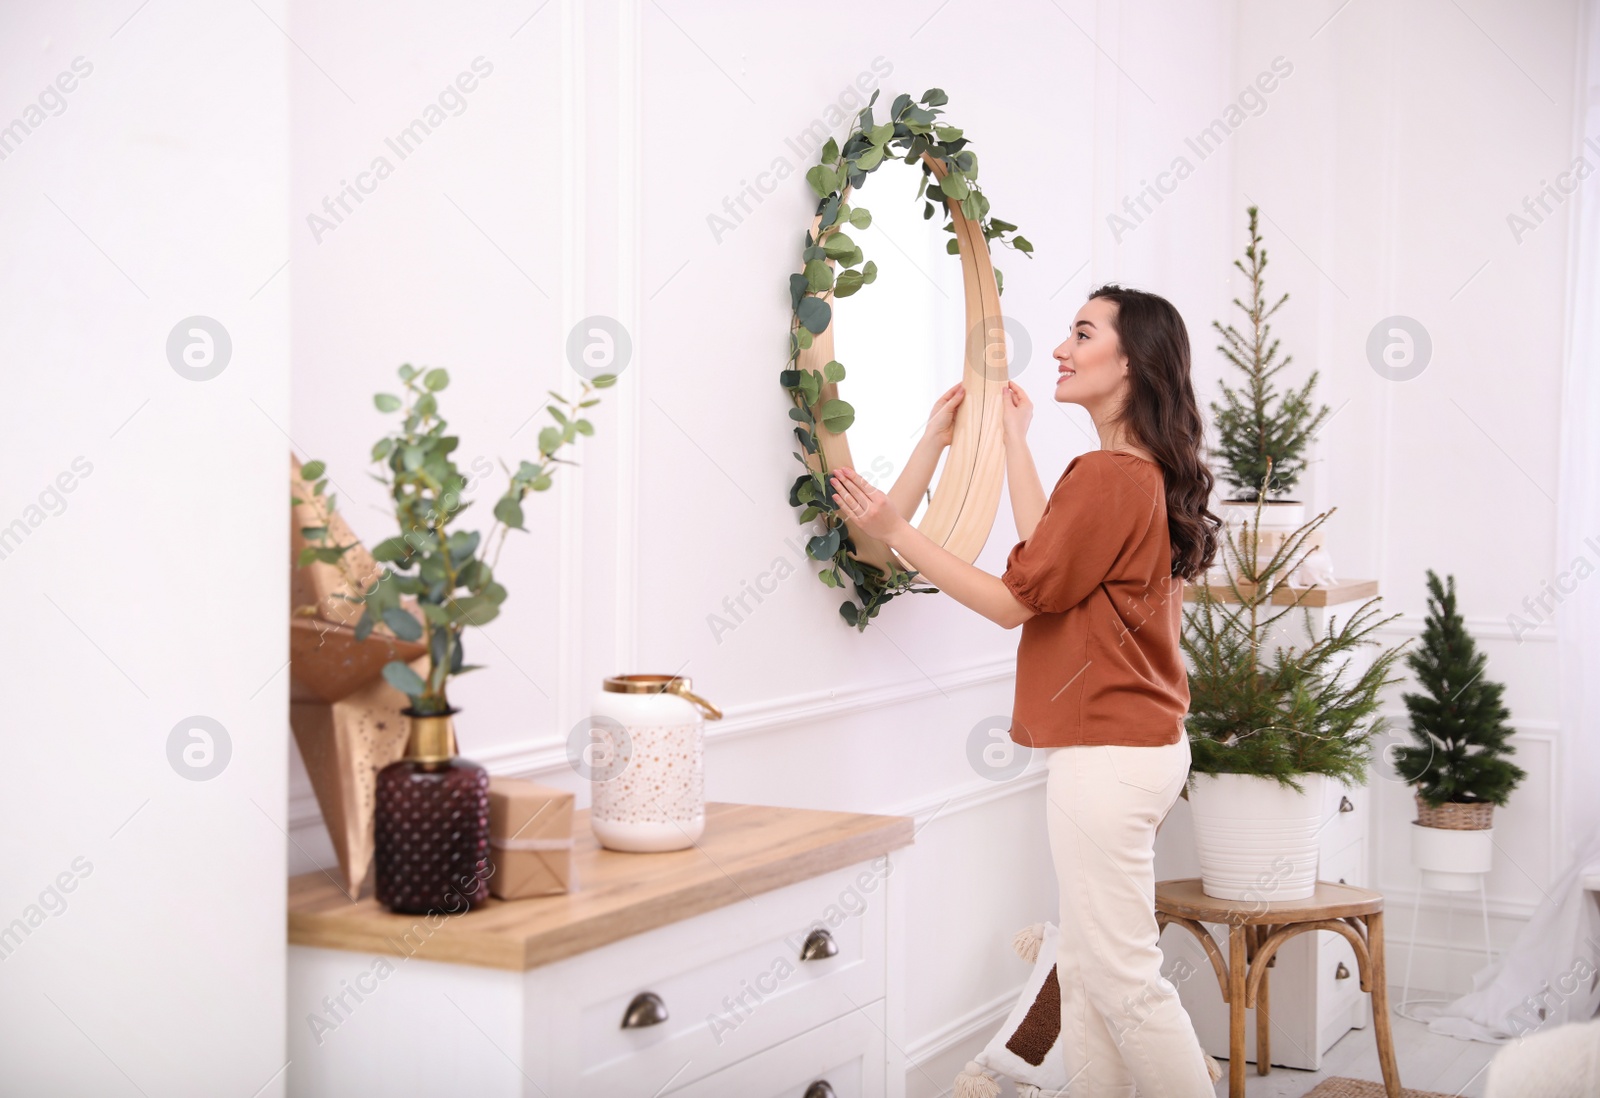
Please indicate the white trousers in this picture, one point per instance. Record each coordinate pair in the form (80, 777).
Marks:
(1123, 1030)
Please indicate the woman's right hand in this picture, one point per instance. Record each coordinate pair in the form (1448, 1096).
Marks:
(942, 420)
(1016, 412)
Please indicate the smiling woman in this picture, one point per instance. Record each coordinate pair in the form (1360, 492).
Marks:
(964, 501)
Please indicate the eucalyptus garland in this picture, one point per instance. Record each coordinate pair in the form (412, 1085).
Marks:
(910, 131)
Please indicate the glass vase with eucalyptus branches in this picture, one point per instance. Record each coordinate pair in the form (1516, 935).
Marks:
(431, 808)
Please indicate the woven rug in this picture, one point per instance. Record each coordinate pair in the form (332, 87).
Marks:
(1341, 1087)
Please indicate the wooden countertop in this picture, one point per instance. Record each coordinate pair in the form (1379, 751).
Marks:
(1329, 595)
(746, 849)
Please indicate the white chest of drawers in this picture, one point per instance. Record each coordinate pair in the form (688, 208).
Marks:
(761, 963)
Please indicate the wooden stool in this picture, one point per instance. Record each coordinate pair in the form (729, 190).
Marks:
(1256, 928)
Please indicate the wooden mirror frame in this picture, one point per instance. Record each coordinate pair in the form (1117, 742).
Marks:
(963, 504)
(966, 494)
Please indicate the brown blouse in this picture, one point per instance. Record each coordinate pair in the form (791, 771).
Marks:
(1099, 663)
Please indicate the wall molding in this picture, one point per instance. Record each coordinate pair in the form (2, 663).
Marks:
(970, 795)
(1481, 628)
(981, 1021)
(536, 757)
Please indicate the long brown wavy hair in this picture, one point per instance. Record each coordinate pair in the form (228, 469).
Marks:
(1161, 414)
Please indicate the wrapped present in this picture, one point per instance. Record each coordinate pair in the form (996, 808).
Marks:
(530, 839)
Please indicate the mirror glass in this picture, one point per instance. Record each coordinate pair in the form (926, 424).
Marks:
(901, 339)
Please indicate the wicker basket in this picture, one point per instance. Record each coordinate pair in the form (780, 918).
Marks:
(1451, 816)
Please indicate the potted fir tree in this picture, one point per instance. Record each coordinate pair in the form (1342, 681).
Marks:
(1257, 429)
(1272, 723)
(1457, 764)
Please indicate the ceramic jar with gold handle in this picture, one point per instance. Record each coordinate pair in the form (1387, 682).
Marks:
(654, 798)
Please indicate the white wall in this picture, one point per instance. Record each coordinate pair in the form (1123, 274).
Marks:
(1388, 168)
(141, 912)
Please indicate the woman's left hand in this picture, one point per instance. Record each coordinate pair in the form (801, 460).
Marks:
(864, 507)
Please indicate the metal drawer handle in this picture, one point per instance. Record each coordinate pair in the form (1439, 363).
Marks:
(1341, 973)
(647, 1009)
(819, 945)
(1346, 805)
(819, 1089)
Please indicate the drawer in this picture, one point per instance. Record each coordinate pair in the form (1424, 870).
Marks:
(731, 981)
(1340, 1000)
(847, 1054)
(1344, 819)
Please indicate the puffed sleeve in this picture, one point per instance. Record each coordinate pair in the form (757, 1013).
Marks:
(1096, 511)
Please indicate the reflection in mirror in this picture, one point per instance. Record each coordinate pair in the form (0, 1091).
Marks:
(901, 339)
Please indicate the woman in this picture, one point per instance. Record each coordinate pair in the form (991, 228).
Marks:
(1097, 585)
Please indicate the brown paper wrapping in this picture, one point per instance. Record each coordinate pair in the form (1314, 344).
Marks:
(345, 715)
(522, 811)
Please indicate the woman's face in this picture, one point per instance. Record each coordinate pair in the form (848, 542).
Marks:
(1091, 368)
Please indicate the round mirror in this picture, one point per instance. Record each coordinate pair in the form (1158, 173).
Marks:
(903, 342)
(907, 341)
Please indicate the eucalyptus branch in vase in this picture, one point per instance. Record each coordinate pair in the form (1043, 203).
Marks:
(446, 574)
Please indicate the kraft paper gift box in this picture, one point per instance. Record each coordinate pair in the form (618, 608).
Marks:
(530, 839)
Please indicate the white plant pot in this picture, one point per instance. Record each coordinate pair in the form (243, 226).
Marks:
(1452, 861)
(1257, 839)
(1278, 516)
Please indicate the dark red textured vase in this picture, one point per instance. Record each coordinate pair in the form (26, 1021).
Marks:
(431, 825)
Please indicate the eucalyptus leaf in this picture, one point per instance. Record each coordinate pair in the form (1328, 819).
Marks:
(312, 470)
(837, 415)
(403, 679)
(435, 380)
(819, 276)
(830, 211)
(386, 402)
(509, 511)
(814, 314)
(390, 550)
(824, 181)
(402, 624)
(838, 244)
